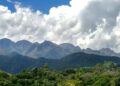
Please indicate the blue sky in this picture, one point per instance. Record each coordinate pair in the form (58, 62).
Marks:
(9, 5)
(42, 5)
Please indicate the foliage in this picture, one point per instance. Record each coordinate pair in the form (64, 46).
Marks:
(107, 74)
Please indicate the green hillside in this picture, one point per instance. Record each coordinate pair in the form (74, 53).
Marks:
(15, 63)
(106, 74)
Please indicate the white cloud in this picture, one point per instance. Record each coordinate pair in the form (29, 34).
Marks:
(9, 1)
(87, 23)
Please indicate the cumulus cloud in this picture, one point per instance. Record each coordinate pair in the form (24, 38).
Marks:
(88, 23)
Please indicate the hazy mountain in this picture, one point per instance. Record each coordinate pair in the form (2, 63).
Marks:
(6, 43)
(22, 46)
(6, 46)
(49, 50)
(103, 52)
(107, 51)
(69, 47)
(45, 49)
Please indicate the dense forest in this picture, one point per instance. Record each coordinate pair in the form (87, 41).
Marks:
(107, 74)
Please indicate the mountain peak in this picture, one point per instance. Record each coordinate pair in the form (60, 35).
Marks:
(23, 42)
(106, 49)
(5, 40)
(67, 44)
(46, 42)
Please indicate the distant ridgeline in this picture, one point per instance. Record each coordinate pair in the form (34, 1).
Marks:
(16, 63)
(107, 74)
(17, 56)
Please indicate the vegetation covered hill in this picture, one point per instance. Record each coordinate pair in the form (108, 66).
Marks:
(106, 74)
(15, 63)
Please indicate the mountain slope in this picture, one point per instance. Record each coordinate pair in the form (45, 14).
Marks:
(15, 63)
(86, 60)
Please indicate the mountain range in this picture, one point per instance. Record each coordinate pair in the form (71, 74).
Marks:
(17, 56)
(15, 63)
(47, 49)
